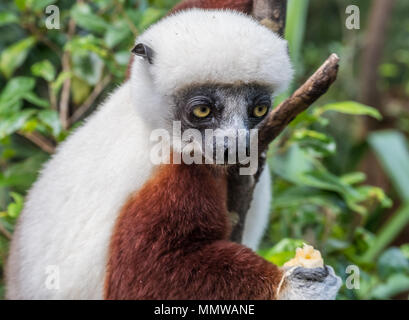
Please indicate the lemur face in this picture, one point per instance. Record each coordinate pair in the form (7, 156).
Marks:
(224, 116)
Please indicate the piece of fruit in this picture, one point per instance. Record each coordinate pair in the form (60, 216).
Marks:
(306, 257)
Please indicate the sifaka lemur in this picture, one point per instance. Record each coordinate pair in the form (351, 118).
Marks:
(115, 225)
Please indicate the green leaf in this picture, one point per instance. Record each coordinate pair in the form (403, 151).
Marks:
(17, 87)
(36, 100)
(14, 209)
(44, 69)
(392, 261)
(122, 57)
(117, 33)
(9, 125)
(391, 148)
(150, 15)
(10, 106)
(292, 164)
(353, 178)
(40, 5)
(23, 4)
(295, 27)
(388, 232)
(87, 66)
(317, 142)
(375, 194)
(388, 70)
(13, 57)
(13, 93)
(83, 16)
(349, 107)
(298, 195)
(322, 179)
(85, 44)
(7, 17)
(21, 175)
(282, 251)
(362, 240)
(395, 284)
(51, 119)
(80, 90)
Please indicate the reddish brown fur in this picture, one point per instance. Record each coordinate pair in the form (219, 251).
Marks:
(244, 6)
(169, 242)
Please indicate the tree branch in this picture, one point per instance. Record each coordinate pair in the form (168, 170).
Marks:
(299, 101)
(240, 188)
(271, 13)
(83, 109)
(39, 140)
(65, 94)
(4, 232)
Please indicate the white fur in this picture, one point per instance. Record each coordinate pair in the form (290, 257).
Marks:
(203, 46)
(70, 211)
(259, 212)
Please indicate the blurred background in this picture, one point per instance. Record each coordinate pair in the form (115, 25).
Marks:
(341, 170)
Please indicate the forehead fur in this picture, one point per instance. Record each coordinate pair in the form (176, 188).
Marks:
(215, 46)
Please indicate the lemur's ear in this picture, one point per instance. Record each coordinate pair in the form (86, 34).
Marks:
(142, 50)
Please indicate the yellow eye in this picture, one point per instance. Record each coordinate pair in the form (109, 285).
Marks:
(260, 111)
(201, 111)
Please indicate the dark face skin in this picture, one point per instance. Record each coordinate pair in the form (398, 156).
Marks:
(228, 104)
(224, 107)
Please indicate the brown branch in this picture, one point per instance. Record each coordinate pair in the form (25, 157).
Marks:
(372, 53)
(84, 108)
(240, 188)
(32, 28)
(5, 232)
(65, 94)
(271, 13)
(39, 140)
(299, 101)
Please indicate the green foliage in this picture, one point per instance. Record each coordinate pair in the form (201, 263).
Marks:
(318, 194)
(327, 210)
(12, 57)
(392, 150)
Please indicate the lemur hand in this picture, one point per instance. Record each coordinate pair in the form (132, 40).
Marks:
(301, 283)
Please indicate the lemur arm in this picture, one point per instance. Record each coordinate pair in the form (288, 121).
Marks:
(170, 242)
(231, 271)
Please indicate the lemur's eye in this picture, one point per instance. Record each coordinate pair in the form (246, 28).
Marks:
(260, 111)
(201, 111)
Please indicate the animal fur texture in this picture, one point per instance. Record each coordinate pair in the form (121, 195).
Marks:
(244, 6)
(207, 46)
(171, 242)
(70, 212)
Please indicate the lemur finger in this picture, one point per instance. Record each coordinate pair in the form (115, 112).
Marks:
(310, 274)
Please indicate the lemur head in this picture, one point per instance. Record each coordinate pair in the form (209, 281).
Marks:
(208, 69)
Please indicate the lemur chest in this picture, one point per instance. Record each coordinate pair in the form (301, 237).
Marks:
(179, 210)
